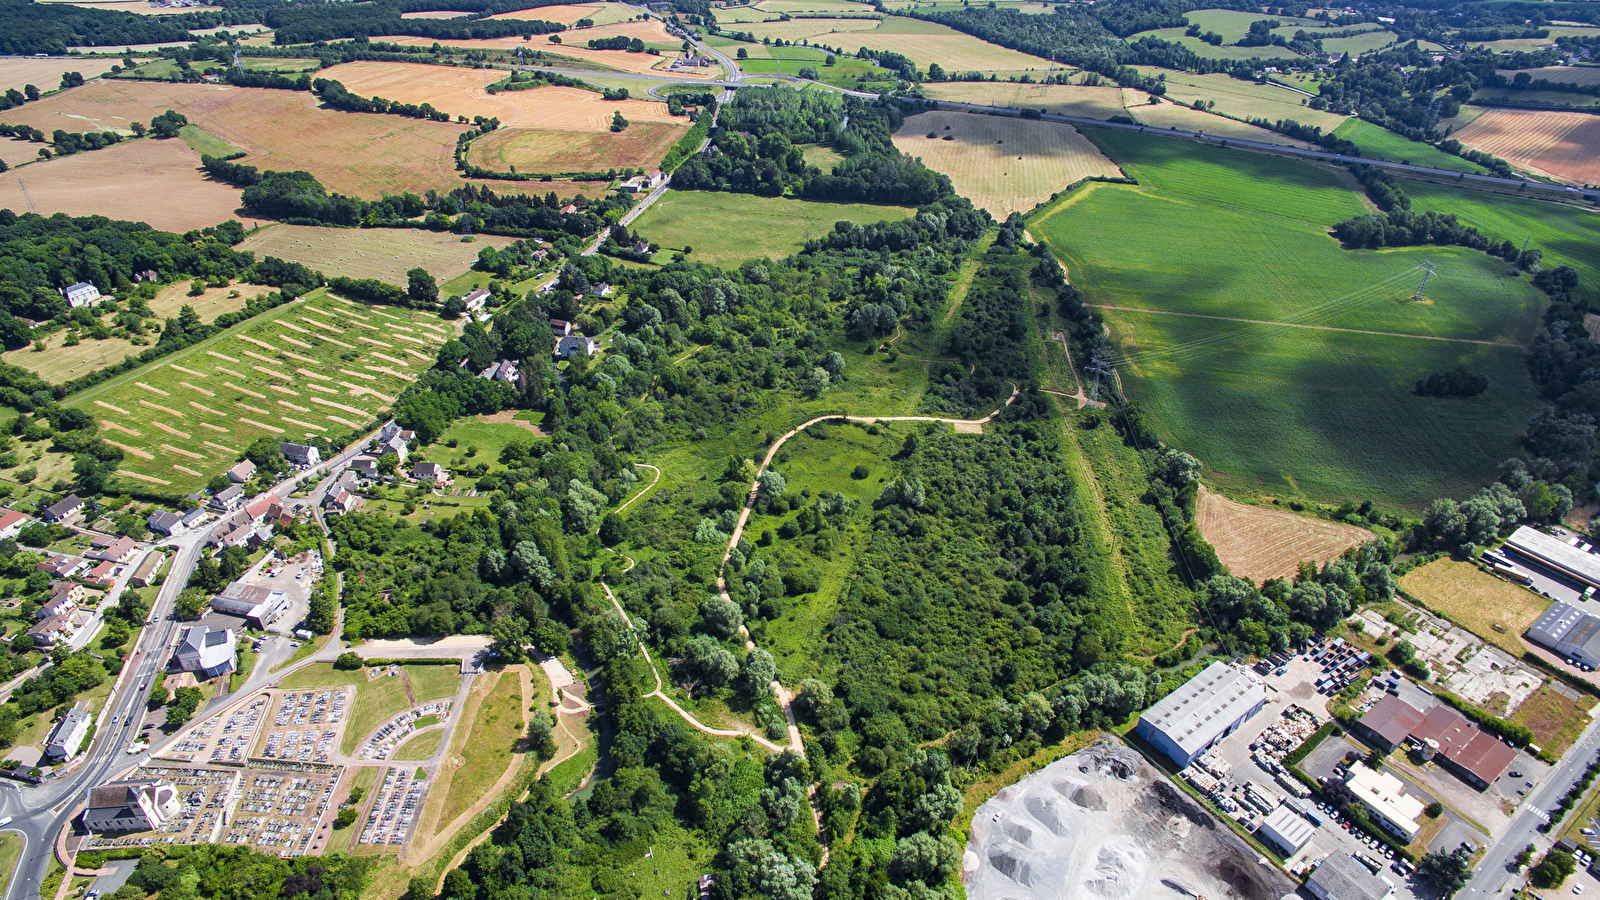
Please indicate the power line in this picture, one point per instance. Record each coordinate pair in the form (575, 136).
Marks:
(1097, 367)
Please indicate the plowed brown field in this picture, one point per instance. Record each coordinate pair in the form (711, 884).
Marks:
(1561, 144)
(1259, 544)
(640, 146)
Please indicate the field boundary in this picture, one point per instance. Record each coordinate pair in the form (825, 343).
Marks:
(1396, 334)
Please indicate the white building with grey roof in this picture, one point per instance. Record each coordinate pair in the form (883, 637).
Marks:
(1203, 711)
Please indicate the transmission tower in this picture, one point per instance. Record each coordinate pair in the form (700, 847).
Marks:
(28, 197)
(1433, 114)
(238, 59)
(1427, 272)
(519, 54)
(1097, 367)
(466, 224)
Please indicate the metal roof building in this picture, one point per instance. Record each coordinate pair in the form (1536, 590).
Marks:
(1556, 554)
(1386, 800)
(1340, 877)
(1204, 710)
(1569, 631)
(1286, 829)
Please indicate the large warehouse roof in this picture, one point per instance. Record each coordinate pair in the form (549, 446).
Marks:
(1556, 553)
(1287, 828)
(1194, 714)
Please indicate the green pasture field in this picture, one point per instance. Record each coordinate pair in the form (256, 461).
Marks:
(845, 72)
(727, 229)
(488, 438)
(1512, 45)
(287, 64)
(1228, 51)
(1030, 7)
(1568, 235)
(821, 156)
(204, 142)
(1242, 99)
(1308, 411)
(1235, 24)
(1560, 99)
(1381, 143)
(179, 428)
(1360, 43)
(1193, 202)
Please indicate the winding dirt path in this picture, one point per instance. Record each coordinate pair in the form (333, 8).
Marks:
(629, 502)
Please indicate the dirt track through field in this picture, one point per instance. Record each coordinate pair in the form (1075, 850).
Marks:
(152, 389)
(188, 471)
(164, 409)
(245, 391)
(228, 450)
(170, 430)
(345, 422)
(150, 478)
(304, 424)
(1259, 543)
(110, 424)
(181, 451)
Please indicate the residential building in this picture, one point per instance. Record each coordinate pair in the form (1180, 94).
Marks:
(569, 209)
(61, 566)
(12, 523)
(194, 517)
(1569, 631)
(81, 294)
(561, 327)
(576, 343)
(244, 471)
(1385, 800)
(149, 568)
(63, 509)
(258, 606)
(228, 499)
(504, 370)
(135, 805)
(63, 600)
(206, 652)
(104, 574)
(395, 446)
(1341, 877)
(303, 455)
(120, 550)
(340, 500)
(432, 473)
(167, 522)
(476, 298)
(1202, 711)
(66, 738)
(365, 466)
(1285, 829)
(265, 508)
(53, 630)
(389, 430)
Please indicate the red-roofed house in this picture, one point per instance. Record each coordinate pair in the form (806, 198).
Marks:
(12, 523)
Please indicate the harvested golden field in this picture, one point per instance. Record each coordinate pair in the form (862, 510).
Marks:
(461, 92)
(144, 181)
(1489, 607)
(1060, 99)
(359, 154)
(1259, 543)
(45, 74)
(640, 146)
(1169, 115)
(1002, 164)
(616, 60)
(929, 42)
(1559, 74)
(1560, 144)
(651, 32)
(600, 13)
(382, 253)
(210, 304)
(808, 29)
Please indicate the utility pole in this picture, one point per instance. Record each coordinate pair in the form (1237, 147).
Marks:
(1427, 272)
(1097, 367)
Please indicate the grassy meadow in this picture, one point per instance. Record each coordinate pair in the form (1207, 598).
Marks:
(725, 229)
(1324, 410)
(319, 367)
(1381, 143)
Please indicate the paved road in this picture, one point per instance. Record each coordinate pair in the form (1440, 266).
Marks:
(40, 812)
(1491, 878)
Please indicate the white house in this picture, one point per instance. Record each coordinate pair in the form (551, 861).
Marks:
(81, 294)
(66, 738)
(12, 523)
(302, 455)
(206, 652)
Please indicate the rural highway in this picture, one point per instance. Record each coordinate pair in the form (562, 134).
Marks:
(40, 812)
(1492, 879)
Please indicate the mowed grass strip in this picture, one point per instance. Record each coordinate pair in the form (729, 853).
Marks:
(1489, 607)
(726, 229)
(195, 406)
(1002, 164)
(496, 728)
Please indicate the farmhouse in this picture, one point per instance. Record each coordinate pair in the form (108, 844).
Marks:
(1286, 829)
(136, 805)
(66, 738)
(12, 523)
(302, 455)
(475, 299)
(504, 370)
(1569, 631)
(576, 343)
(206, 652)
(1385, 799)
(1553, 553)
(561, 327)
(242, 472)
(1340, 877)
(228, 499)
(258, 606)
(81, 294)
(167, 522)
(148, 569)
(1203, 711)
(63, 509)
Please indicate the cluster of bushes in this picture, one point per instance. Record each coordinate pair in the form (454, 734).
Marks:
(1457, 382)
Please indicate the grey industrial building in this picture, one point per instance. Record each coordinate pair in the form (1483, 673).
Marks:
(1341, 877)
(1569, 631)
(1203, 711)
(1286, 829)
(1556, 555)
